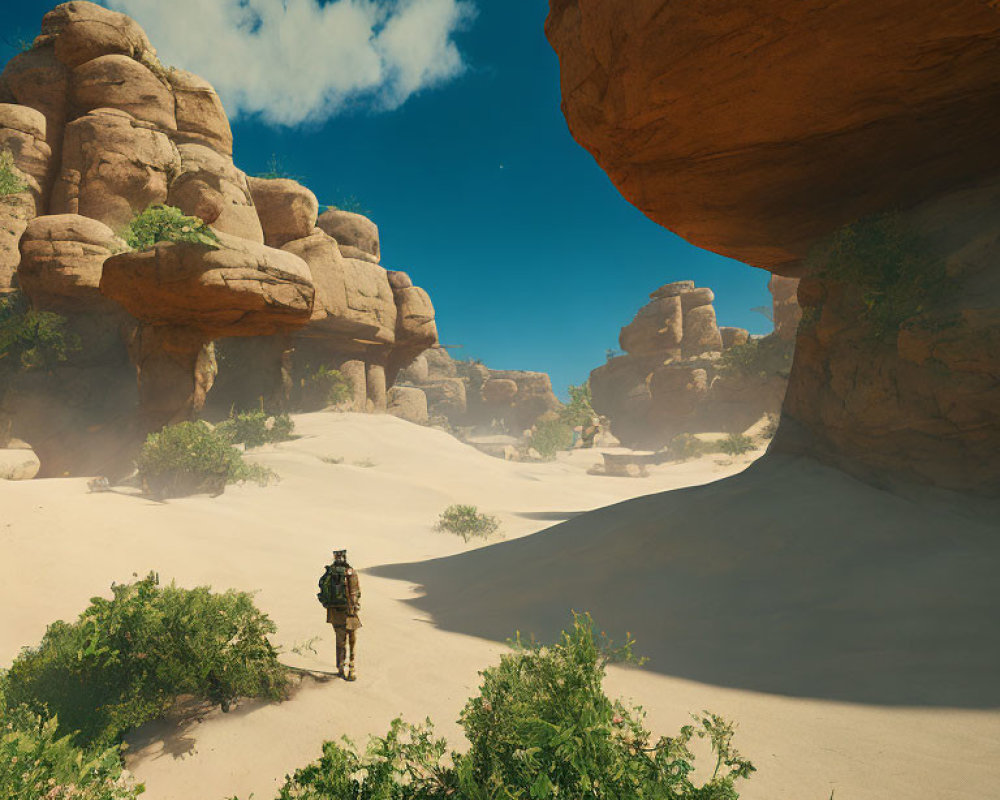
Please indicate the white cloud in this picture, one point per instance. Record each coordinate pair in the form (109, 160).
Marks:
(293, 61)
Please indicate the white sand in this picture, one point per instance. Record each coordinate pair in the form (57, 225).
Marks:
(744, 589)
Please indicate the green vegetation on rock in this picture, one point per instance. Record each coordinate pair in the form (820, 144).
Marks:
(126, 660)
(579, 410)
(541, 728)
(32, 339)
(329, 385)
(11, 181)
(467, 522)
(892, 267)
(764, 357)
(189, 458)
(161, 223)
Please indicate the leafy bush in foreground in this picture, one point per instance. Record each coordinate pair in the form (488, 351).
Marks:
(329, 385)
(32, 339)
(126, 660)
(541, 727)
(10, 181)
(160, 223)
(36, 762)
(256, 428)
(467, 522)
(190, 457)
(550, 436)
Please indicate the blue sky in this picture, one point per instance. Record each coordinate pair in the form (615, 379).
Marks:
(457, 147)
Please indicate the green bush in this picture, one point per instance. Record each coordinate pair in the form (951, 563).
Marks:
(276, 170)
(891, 264)
(126, 660)
(579, 410)
(36, 762)
(160, 223)
(189, 458)
(256, 428)
(32, 339)
(541, 727)
(685, 446)
(329, 385)
(467, 522)
(550, 436)
(736, 444)
(11, 181)
(770, 355)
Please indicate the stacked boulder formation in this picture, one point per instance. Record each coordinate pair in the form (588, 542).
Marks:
(470, 395)
(767, 130)
(672, 378)
(98, 131)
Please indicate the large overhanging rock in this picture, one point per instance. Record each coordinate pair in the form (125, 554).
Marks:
(753, 128)
(62, 257)
(237, 289)
(760, 129)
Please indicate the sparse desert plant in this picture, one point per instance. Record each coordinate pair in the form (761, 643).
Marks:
(468, 522)
(540, 727)
(898, 275)
(579, 410)
(11, 181)
(330, 385)
(736, 444)
(685, 446)
(352, 204)
(127, 659)
(332, 459)
(189, 458)
(36, 761)
(32, 339)
(256, 428)
(276, 169)
(161, 223)
(550, 436)
(365, 462)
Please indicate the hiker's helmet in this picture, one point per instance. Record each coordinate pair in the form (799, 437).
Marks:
(340, 556)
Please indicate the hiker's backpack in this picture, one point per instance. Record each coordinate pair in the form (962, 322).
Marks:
(333, 587)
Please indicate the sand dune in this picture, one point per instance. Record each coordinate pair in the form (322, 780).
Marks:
(785, 580)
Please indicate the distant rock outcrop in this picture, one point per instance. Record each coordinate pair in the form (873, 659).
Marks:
(769, 131)
(681, 373)
(97, 130)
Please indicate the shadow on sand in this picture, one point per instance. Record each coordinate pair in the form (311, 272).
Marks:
(789, 578)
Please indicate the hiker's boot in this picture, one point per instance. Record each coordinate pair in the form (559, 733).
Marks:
(351, 676)
(340, 671)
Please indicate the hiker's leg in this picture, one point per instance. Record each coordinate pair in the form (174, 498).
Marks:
(352, 638)
(341, 646)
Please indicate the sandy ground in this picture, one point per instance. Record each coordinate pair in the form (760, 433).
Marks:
(851, 633)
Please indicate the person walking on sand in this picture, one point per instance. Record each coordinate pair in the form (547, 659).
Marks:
(340, 594)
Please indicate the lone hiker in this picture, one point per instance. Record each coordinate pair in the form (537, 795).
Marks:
(340, 594)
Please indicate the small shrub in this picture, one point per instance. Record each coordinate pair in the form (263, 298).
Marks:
(770, 355)
(276, 169)
(467, 522)
(364, 462)
(352, 204)
(37, 762)
(256, 428)
(736, 444)
(11, 181)
(332, 459)
(160, 223)
(126, 660)
(189, 458)
(897, 273)
(541, 727)
(551, 436)
(329, 385)
(685, 446)
(32, 339)
(579, 410)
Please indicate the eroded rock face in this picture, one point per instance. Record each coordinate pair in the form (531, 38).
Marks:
(287, 209)
(356, 234)
(201, 119)
(786, 310)
(62, 257)
(84, 31)
(113, 167)
(758, 130)
(409, 403)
